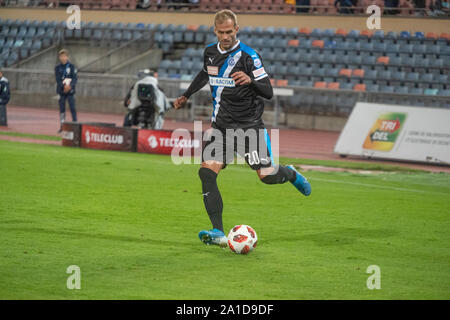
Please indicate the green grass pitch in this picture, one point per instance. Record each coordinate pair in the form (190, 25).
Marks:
(130, 222)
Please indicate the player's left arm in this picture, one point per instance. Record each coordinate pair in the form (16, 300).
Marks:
(256, 77)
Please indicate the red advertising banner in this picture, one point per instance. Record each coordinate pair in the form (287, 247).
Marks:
(164, 141)
(70, 134)
(107, 138)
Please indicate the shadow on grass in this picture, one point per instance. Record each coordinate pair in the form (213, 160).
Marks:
(109, 237)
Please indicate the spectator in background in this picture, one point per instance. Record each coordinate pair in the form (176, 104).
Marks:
(302, 3)
(344, 6)
(66, 80)
(406, 7)
(390, 6)
(4, 99)
(434, 7)
(364, 4)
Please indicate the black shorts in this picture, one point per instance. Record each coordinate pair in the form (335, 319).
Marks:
(252, 144)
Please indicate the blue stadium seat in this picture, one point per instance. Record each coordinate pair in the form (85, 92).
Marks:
(247, 30)
(331, 72)
(369, 60)
(402, 90)
(420, 48)
(97, 34)
(18, 43)
(436, 63)
(370, 74)
(431, 92)
(330, 44)
(400, 75)
(117, 35)
(342, 45)
(5, 31)
(396, 61)
(13, 32)
(378, 34)
(329, 57)
(407, 61)
(12, 59)
(412, 76)
(392, 48)
(26, 48)
(391, 35)
(372, 88)
(445, 50)
(36, 46)
(316, 33)
(443, 78)
(419, 35)
(405, 34)
(407, 48)
(292, 32)
(445, 93)
(414, 90)
(381, 47)
(345, 85)
(9, 43)
(127, 35)
(367, 46)
(22, 32)
(353, 34)
(270, 31)
(387, 89)
(257, 31)
(426, 77)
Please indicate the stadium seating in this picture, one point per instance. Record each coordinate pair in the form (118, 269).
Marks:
(407, 63)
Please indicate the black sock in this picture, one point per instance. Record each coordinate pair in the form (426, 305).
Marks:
(284, 174)
(211, 197)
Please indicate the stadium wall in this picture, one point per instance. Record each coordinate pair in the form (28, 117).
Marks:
(345, 22)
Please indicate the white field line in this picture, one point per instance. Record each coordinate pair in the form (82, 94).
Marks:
(379, 186)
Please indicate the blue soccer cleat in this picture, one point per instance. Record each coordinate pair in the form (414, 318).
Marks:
(214, 236)
(301, 183)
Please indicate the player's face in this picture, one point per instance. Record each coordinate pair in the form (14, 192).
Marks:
(226, 34)
(63, 58)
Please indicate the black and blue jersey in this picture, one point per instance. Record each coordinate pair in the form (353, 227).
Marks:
(234, 106)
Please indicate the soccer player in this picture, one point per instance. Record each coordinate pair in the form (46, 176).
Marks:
(237, 80)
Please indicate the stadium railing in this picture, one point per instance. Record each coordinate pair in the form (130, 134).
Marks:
(105, 92)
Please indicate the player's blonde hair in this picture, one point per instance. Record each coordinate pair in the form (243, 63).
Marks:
(223, 15)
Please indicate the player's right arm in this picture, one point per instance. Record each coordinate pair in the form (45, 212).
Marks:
(199, 82)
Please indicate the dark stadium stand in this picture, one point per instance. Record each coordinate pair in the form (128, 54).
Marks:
(339, 61)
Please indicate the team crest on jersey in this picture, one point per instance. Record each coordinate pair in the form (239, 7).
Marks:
(68, 70)
(257, 63)
(232, 62)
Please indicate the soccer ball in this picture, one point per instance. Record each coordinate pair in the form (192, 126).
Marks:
(242, 239)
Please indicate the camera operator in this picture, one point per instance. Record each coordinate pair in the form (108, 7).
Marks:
(146, 102)
(4, 99)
